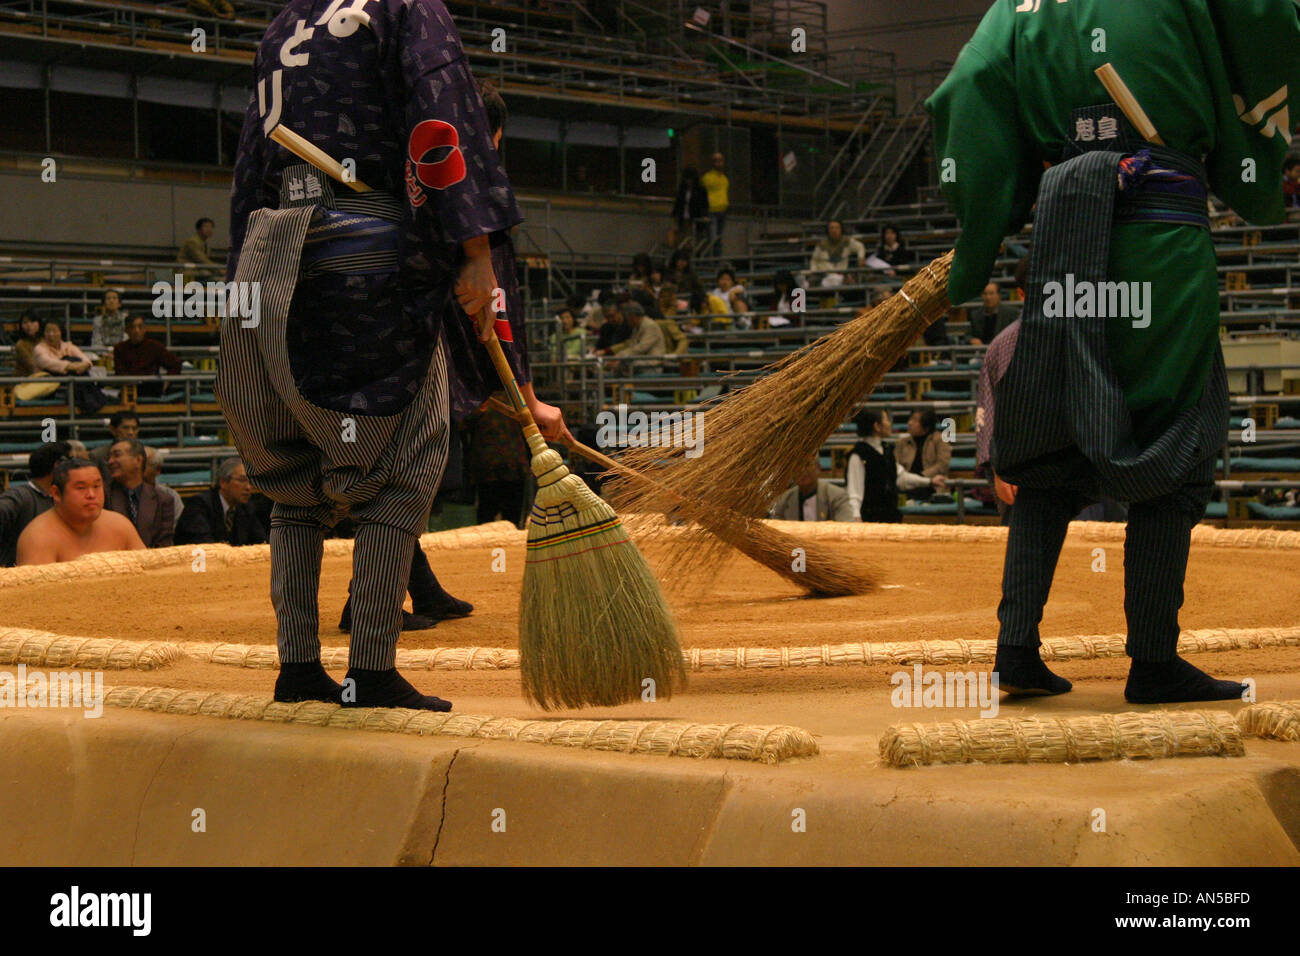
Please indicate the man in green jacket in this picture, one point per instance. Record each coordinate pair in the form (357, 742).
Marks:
(1117, 386)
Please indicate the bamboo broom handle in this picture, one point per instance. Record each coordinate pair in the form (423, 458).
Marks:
(532, 433)
(586, 451)
(1127, 102)
(315, 155)
(600, 458)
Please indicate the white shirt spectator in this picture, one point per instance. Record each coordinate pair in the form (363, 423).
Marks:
(56, 363)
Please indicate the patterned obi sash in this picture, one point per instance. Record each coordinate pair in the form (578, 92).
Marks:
(360, 236)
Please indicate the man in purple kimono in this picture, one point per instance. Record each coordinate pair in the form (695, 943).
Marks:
(335, 390)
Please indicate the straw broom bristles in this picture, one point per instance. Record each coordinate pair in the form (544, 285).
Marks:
(760, 436)
(815, 568)
(594, 628)
(593, 624)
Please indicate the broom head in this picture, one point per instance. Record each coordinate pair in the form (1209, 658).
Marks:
(594, 627)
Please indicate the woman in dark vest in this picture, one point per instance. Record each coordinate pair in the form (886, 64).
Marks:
(873, 477)
(870, 475)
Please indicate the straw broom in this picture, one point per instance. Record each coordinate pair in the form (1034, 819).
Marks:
(763, 434)
(593, 624)
(815, 568)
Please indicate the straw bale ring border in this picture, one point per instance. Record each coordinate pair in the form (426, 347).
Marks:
(19, 645)
(108, 564)
(42, 648)
(1271, 720)
(1110, 531)
(1152, 735)
(762, 743)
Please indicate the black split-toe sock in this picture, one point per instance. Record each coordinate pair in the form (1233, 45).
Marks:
(410, 622)
(1170, 682)
(1022, 673)
(388, 689)
(299, 682)
(441, 606)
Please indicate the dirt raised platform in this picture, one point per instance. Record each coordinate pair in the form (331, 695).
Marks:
(124, 788)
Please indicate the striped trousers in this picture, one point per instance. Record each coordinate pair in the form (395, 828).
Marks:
(1156, 546)
(318, 465)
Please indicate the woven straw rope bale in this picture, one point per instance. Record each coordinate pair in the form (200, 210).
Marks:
(43, 649)
(110, 563)
(1064, 739)
(1274, 720)
(21, 645)
(768, 744)
(265, 656)
(1110, 531)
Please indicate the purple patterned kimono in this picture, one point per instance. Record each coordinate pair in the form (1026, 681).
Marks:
(382, 85)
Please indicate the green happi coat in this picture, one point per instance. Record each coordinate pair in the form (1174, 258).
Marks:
(1220, 80)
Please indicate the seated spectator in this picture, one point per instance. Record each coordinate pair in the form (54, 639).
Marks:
(922, 451)
(20, 503)
(77, 522)
(640, 277)
(647, 300)
(108, 324)
(645, 339)
(680, 274)
(936, 333)
(153, 462)
(992, 316)
(728, 300)
(669, 302)
(832, 256)
(194, 250)
(873, 477)
(25, 342)
(121, 424)
(812, 498)
(221, 9)
(570, 337)
(783, 312)
(614, 330)
(141, 355)
(592, 311)
(222, 513)
(675, 340)
(892, 253)
(57, 357)
(149, 511)
(52, 354)
(1291, 182)
(591, 321)
(727, 285)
